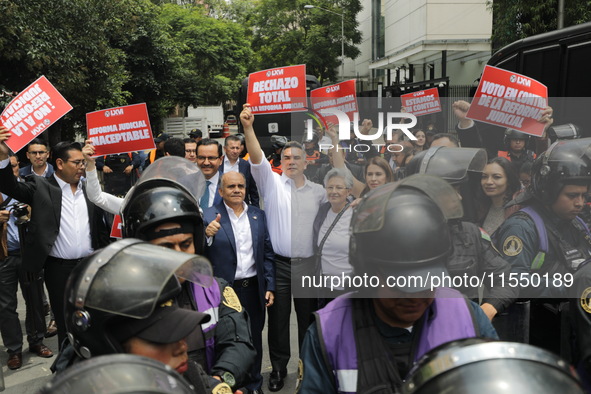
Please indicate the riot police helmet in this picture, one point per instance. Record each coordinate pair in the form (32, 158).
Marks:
(512, 134)
(476, 365)
(168, 191)
(401, 229)
(125, 290)
(118, 374)
(566, 162)
(452, 164)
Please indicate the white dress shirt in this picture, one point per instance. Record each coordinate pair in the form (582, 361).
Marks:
(73, 240)
(106, 201)
(243, 239)
(229, 167)
(290, 211)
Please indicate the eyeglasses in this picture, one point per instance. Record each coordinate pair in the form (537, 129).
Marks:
(38, 152)
(210, 158)
(78, 163)
(337, 188)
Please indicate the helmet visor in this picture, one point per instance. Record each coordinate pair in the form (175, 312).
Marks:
(453, 164)
(371, 213)
(129, 277)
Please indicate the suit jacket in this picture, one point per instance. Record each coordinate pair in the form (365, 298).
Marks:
(28, 170)
(222, 252)
(252, 193)
(45, 198)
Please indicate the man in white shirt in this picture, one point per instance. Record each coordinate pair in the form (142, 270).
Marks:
(64, 226)
(241, 253)
(291, 203)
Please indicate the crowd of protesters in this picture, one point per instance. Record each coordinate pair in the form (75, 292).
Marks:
(441, 203)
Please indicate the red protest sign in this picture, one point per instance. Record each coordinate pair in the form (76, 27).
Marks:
(116, 228)
(423, 102)
(120, 130)
(511, 100)
(341, 96)
(31, 112)
(277, 90)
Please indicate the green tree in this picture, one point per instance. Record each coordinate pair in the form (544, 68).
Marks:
(215, 54)
(517, 19)
(287, 34)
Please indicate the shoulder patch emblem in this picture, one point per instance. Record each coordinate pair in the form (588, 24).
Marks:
(585, 301)
(222, 388)
(512, 246)
(300, 375)
(231, 299)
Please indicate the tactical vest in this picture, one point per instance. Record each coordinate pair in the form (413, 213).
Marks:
(572, 261)
(337, 333)
(208, 301)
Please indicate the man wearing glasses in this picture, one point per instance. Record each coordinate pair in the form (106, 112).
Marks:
(37, 153)
(209, 158)
(64, 226)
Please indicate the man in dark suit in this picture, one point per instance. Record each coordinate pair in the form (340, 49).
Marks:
(37, 153)
(64, 225)
(209, 158)
(240, 251)
(233, 147)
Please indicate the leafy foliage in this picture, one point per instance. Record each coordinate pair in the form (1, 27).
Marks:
(517, 19)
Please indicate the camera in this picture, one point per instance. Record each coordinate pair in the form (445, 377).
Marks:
(21, 211)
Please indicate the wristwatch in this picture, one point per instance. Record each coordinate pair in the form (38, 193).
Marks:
(227, 378)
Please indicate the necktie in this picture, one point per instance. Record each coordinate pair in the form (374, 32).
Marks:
(204, 202)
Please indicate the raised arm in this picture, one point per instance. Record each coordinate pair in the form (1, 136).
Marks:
(252, 143)
(95, 193)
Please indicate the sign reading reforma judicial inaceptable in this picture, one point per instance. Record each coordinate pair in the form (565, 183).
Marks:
(511, 100)
(120, 130)
(421, 103)
(31, 112)
(341, 96)
(278, 90)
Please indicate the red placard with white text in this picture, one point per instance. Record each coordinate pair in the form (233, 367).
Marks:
(277, 90)
(31, 112)
(120, 129)
(421, 103)
(341, 96)
(116, 231)
(508, 99)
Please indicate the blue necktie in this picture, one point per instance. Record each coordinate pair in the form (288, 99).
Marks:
(204, 202)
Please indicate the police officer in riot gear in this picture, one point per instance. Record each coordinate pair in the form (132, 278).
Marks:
(473, 253)
(516, 148)
(119, 300)
(160, 210)
(367, 340)
(547, 239)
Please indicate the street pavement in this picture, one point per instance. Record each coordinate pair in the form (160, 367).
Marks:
(35, 371)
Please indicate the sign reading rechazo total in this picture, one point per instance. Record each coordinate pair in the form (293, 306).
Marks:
(277, 90)
(341, 96)
(31, 112)
(120, 130)
(423, 102)
(510, 100)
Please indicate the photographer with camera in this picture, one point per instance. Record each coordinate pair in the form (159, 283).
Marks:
(13, 216)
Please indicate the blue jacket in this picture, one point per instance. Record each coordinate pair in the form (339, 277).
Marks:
(222, 252)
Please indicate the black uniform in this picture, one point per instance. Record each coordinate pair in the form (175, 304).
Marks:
(475, 256)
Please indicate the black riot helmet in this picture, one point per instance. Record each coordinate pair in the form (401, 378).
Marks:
(168, 191)
(566, 162)
(118, 374)
(477, 365)
(401, 228)
(113, 292)
(461, 167)
(512, 134)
